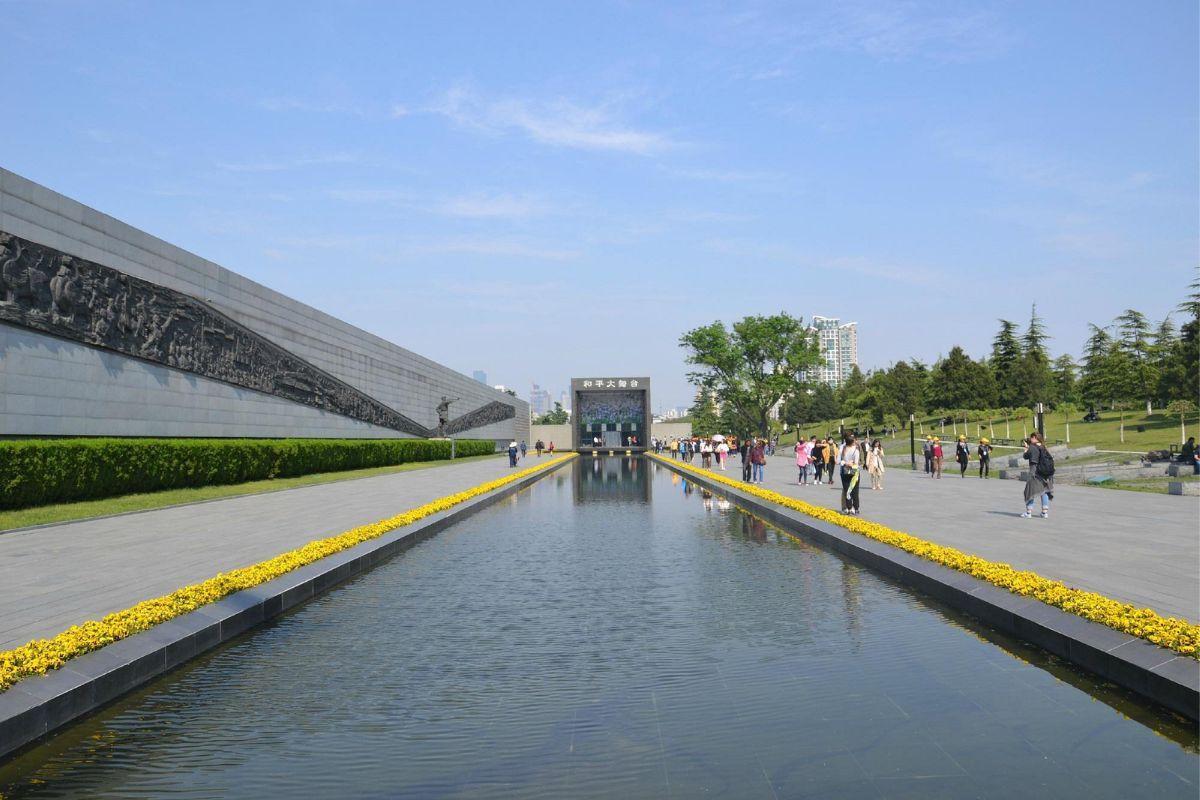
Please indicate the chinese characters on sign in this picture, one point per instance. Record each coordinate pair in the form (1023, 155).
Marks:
(611, 383)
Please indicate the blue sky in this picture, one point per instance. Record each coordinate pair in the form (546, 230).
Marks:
(549, 190)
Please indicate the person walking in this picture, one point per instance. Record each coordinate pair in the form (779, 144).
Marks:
(927, 451)
(962, 454)
(848, 462)
(1040, 483)
(722, 454)
(984, 451)
(937, 458)
(538, 447)
(803, 459)
(552, 448)
(512, 453)
(875, 465)
(758, 461)
(706, 452)
(831, 450)
(816, 451)
(523, 448)
(744, 450)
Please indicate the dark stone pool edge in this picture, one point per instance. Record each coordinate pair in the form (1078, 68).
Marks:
(35, 708)
(1153, 672)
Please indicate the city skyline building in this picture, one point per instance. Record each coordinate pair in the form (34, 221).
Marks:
(838, 342)
(539, 401)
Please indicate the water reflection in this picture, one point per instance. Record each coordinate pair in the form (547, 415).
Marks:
(589, 643)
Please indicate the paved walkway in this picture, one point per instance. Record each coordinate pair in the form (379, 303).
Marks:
(61, 575)
(1132, 546)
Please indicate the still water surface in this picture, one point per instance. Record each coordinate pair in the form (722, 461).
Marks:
(615, 632)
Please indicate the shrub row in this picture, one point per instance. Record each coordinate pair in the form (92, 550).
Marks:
(38, 472)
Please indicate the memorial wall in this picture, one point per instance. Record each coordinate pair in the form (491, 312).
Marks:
(106, 330)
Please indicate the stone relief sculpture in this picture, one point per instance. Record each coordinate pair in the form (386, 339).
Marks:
(59, 294)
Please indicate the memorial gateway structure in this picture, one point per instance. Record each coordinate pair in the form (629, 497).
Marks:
(108, 331)
(610, 412)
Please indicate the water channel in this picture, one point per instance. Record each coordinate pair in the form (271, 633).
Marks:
(616, 631)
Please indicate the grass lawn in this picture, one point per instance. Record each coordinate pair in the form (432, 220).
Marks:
(1154, 485)
(64, 512)
(1161, 430)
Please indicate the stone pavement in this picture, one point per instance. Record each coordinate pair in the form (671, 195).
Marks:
(1132, 546)
(61, 575)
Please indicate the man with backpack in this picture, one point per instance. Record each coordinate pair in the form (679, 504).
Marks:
(1040, 482)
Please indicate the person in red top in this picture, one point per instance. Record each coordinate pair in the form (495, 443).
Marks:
(937, 458)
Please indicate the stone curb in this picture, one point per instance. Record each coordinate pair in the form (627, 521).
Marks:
(1153, 672)
(37, 707)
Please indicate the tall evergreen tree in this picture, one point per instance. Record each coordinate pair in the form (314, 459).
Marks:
(1063, 377)
(1035, 338)
(1006, 353)
(1139, 375)
(1032, 380)
(1094, 379)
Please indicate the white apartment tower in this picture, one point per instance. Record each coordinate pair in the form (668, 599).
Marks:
(839, 349)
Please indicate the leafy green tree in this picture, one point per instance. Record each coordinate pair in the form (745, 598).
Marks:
(556, 417)
(958, 381)
(754, 364)
(1006, 353)
(1183, 408)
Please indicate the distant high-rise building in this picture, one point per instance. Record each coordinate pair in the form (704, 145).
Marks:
(839, 350)
(539, 401)
(564, 399)
(479, 375)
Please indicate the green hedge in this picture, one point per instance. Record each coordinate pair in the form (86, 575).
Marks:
(40, 471)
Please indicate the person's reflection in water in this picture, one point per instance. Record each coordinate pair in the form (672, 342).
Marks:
(723, 505)
(754, 529)
(687, 489)
(708, 499)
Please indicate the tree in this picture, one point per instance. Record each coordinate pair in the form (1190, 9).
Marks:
(556, 417)
(823, 404)
(1031, 375)
(1141, 376)
(705, 415)
(1182, 408)
(753, 365)
(1094, 383)
(903, 388)
(1122, 406)
(1068, 410)
(958, 381)
(852, 394)
(1006, 352)
(1062, 377)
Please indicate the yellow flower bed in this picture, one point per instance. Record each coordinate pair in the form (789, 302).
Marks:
(1170, 632)
(42, 655)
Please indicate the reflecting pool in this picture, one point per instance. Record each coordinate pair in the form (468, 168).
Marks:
(616, 631)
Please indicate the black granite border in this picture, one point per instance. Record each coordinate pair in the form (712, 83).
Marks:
(1160, 675)
(37, 707)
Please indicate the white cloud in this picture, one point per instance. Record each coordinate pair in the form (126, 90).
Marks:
(867, 266)
(559, 123)
(725, 175)
(366, 195)
(497, 247)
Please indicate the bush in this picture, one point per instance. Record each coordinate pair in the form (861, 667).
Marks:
(38, 472)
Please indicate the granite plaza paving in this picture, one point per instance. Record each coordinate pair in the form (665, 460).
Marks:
(1132, 546)
(56, 576)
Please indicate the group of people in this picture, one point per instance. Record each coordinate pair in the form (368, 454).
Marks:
(712, 450)
(931, 450)
(825, 456)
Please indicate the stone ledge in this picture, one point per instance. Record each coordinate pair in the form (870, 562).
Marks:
(37, 707)
(1155, 673)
